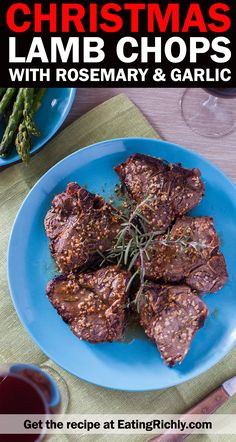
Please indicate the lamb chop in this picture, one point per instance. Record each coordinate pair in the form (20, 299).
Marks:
(93, 304)
(171, 315)
(79, 225)
(164, 190)
(190, 252)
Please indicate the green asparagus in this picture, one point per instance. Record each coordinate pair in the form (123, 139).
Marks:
(23, 142)
(38, 98)
(7, 114)
(13, 123)
(6, 99)
(27, 127)
(17, 107)
(2, 91)
(28, 111)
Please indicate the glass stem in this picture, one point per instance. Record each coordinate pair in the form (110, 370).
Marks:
(61, 406)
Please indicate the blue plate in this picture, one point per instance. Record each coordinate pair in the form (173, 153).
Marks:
(55, 107)
(133, 366)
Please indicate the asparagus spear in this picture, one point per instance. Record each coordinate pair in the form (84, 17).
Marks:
(27, 126)
(2, 91)
(23, 142)
(6, 99)
(28, 112)
(38, 98)
(13, 123)
(7, 114)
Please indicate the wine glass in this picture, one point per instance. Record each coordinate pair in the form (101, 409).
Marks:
(208, 112)
(26, 389)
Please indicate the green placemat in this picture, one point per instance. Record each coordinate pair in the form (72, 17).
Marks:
(117, 117)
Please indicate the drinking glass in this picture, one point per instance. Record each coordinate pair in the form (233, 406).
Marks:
(30, 390)
(209, 112)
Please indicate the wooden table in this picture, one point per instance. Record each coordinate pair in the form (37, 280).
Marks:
(162, 108)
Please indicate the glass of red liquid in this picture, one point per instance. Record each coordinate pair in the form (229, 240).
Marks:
(30, 390)
(209, 112)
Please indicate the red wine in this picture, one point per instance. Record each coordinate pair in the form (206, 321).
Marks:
(225, 92)
(19, 396)
(40, 380)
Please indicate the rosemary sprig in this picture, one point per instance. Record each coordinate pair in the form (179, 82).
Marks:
(185, 242)
(134, 242)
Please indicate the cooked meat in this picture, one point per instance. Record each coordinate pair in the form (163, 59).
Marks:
(78, 225)
(93, 304)
(190, 252)
(209, 277)
(171, 315)
(168, 189)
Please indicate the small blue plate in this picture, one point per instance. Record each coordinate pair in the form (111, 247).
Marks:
(55, 107)
(135, 365)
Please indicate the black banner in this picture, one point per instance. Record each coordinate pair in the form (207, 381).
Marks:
(121, 43)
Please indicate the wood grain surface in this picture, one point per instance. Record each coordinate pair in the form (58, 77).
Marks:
(161, 106)
(206, 406)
